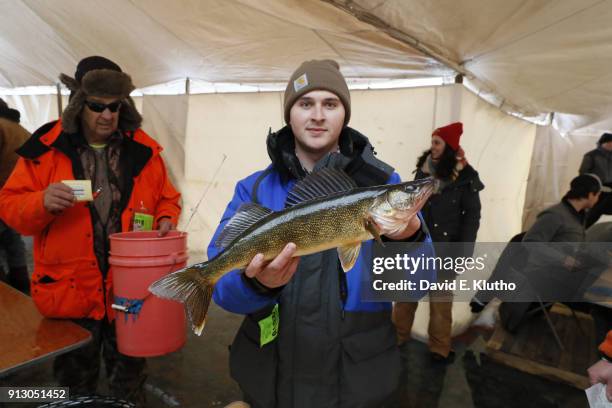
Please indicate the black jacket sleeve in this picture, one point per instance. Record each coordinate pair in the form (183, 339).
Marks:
(587, 164)
(470, 211)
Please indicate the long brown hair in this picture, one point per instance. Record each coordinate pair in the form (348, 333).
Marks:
(446, 164)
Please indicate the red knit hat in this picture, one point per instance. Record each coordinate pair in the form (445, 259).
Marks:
(450, 134)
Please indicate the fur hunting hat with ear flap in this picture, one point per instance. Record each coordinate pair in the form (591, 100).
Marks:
(99, 77)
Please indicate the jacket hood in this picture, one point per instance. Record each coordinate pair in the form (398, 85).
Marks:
(11, 114)
(603, 151)
(141, 147)
(467, 175)
(564, 208)
(356, 157)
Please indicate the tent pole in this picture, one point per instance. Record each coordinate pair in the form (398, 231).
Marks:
(435, 110)
(187, 85)
(59, 99)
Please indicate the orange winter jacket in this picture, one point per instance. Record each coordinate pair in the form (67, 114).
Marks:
(606, 346)
(67, 282)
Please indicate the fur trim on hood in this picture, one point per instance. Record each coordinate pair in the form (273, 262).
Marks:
(11, 114)
(103, 83)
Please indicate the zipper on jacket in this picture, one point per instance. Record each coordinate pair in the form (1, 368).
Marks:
(343, 289)
(43, 241)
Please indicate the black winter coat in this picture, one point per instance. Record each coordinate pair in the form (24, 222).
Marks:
(453, 215)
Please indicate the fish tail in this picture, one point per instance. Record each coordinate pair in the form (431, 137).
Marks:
(189, 286)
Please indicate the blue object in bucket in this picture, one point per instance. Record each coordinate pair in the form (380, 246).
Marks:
(133, 306)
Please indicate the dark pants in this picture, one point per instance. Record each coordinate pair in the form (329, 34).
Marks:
(80, 369)
(602, 316)
(603, 206)
(13, 255)
(393, 401)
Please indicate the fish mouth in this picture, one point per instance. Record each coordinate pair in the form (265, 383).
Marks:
(416, 193)
(425, 188)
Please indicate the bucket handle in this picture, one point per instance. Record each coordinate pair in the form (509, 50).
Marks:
(120, 308)
(178, 257)
(128, 306)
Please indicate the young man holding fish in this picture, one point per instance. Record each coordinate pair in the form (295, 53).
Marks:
(289, 255)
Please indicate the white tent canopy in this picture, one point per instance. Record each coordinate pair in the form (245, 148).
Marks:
(535, 57)
(528, 57)
(245, 41)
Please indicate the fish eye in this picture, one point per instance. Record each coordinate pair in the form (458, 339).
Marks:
(399, 199)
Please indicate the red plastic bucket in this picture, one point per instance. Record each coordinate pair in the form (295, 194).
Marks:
(147, 326)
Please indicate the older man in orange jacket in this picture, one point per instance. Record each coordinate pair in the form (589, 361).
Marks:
(98, 138)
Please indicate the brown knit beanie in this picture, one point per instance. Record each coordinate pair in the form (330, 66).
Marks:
(315, 75)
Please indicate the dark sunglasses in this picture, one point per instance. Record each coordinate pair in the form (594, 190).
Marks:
(100, 107)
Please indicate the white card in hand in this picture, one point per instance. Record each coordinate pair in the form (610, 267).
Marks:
(80, 188)
(597, 396)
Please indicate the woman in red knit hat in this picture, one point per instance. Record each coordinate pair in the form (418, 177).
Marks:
(452, 215)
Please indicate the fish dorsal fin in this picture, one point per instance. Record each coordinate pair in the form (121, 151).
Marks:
(246, 216)
(319, 184)
(348, 255)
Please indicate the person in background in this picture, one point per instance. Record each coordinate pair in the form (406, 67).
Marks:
(452, 215)
(599, 161)
(98, 139)
(553, 271)
(12, 247)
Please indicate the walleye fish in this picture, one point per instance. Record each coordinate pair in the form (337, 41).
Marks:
(324, 210)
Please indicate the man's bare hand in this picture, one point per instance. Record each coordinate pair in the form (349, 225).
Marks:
(58, 197)
(601, 372)
(413, 225)
(275, 273)
(165, 225)
(570, 262)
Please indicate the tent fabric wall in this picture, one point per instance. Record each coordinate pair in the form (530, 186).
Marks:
(235, 126)
(555, 162)
(500, 149)
(36, 110)
(225, 133)
(166, 118)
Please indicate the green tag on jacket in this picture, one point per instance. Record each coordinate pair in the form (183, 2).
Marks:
(268, 327)
(143, 222)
